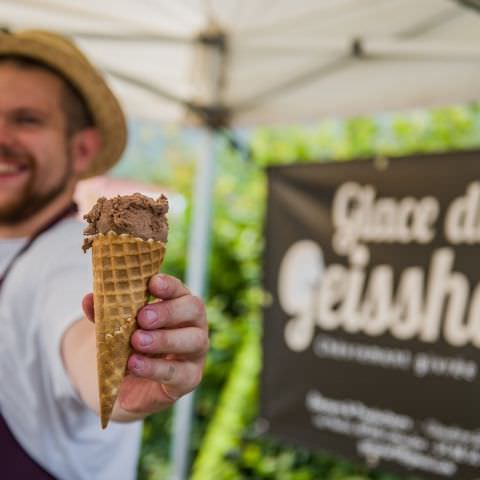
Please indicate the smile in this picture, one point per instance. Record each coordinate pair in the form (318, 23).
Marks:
(8, 168)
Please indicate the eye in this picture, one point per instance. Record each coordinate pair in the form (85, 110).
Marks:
(25, 119)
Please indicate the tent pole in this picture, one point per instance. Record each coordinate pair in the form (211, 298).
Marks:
(196, 281)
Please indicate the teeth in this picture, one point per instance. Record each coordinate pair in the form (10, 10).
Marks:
(6, 168)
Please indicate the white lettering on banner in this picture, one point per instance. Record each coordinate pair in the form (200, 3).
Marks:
(462, 224)
(379, 450)
(317, 403)
(427, 305)
(304, 262)
(382, 434)
(423, 308)
(421, 364)
(358, 216)
(451, 434)
(458, 368)
(326, 346)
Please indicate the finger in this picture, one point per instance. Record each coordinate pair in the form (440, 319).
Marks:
(180, 377)
(137, 394)
(165, 287)
(177, 312)
(191, 342)
(87, 305)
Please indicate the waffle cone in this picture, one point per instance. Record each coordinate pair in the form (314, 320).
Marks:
(122, 267)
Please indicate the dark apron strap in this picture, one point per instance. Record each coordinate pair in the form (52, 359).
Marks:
(15, 463)
(71, 209)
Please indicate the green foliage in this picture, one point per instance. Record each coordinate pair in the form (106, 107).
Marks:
(227, 438)
(234, 410)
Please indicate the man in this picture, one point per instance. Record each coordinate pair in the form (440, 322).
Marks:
(59, 122)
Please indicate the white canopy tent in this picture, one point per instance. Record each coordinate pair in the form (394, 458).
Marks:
(270, 61)
(249, 62)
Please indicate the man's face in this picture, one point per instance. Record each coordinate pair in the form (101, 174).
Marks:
(34, 152)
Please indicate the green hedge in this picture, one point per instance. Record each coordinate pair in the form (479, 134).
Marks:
(234, 410)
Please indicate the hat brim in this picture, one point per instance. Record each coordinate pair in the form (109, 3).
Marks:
(65, 58)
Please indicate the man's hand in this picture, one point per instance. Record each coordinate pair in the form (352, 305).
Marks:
(170, 347)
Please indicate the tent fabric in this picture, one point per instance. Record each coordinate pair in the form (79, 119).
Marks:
(270, 61)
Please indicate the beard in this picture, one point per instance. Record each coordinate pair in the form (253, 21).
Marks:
(29, 200)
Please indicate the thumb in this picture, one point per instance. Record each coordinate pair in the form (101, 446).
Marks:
(87, 306)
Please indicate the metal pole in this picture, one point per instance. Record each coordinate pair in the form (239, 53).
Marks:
(195, 280)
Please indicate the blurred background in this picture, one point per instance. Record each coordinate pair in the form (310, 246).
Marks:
(215, 93)
(227, 440)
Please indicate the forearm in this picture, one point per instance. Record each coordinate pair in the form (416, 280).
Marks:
(79, 358)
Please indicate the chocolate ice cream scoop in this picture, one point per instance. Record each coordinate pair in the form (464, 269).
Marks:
(136, 214)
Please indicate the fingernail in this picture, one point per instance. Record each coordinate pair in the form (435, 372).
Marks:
(138, 363)
(160, 282)
(149, 316)
(145, 339)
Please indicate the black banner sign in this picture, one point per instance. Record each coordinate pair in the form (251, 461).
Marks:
(372, 338)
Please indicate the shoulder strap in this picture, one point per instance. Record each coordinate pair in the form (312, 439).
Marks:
(66, 212)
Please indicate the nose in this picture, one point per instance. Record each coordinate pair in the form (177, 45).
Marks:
(6, 133)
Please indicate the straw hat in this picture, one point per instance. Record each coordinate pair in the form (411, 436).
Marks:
(62, 55)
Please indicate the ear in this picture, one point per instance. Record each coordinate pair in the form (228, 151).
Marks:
(84, 146)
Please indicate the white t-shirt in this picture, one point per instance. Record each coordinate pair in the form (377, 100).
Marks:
(40, 299)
